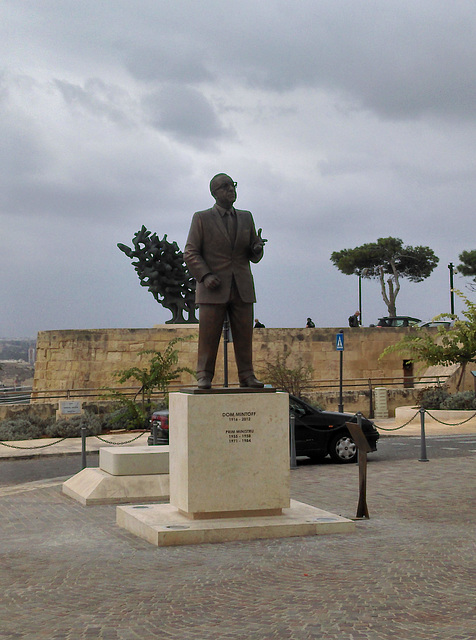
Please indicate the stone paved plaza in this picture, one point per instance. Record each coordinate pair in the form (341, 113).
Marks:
(69, 573)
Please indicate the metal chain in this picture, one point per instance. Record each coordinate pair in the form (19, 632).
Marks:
(396, 428)
(120, 443)
(41, 446)
(450, 424)
(51, 444)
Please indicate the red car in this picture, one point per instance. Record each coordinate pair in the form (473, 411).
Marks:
(159, 419)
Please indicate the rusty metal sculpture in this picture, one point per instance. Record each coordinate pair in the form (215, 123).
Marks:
(161, 268)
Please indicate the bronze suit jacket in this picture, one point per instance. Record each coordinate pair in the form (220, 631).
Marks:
(209, 249)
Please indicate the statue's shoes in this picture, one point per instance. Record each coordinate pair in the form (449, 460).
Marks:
(204, 383)
(251, 382)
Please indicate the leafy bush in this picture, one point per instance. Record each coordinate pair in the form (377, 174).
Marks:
(71, 427)
(465, 400)
(21, 429)
(432, 397)
(156, 378)
(440, 398)
(280, 375)
(129, 416)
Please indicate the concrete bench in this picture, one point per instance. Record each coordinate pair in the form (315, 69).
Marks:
(134, 461)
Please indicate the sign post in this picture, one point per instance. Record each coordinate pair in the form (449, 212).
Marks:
(340, 348)
(363, 448)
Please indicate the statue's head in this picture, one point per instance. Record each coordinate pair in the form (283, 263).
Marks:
(223, 189)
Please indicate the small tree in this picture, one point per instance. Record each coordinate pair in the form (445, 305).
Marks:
(156, 378)
(456, 345)
(293, 380)
(388, 260)
(468, 265)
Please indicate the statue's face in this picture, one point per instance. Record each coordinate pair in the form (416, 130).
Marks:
(224, 191)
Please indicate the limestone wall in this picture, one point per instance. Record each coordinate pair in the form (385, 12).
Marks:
(87, 359)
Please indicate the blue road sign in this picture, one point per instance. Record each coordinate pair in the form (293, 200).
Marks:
(340, 342)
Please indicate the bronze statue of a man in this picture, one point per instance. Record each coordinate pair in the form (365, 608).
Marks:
(221, 243)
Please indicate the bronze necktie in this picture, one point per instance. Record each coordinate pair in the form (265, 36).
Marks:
(230, 222)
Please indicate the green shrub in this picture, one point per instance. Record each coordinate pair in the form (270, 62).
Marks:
(21, 429)
(465, 400)
(71, 427)
(432, 397)
(294, 380)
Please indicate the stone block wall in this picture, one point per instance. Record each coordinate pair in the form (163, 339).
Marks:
(88, 359)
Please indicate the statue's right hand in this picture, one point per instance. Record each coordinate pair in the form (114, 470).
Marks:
(211, 281)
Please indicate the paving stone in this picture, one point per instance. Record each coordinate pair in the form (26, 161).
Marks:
(69, 573)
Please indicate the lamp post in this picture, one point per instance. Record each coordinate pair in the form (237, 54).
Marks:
(452, 295)
(361, 273)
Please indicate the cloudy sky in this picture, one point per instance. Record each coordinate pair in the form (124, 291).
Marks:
(342, 121)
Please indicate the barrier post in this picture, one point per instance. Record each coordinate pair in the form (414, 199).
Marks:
(83, 448)
(422, 457)
(154, 433)
(292, 441)
(359, 424)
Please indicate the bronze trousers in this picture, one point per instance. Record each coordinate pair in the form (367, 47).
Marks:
(211, 319)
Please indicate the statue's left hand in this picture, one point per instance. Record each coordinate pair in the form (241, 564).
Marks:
(259, 243)
(263, 240)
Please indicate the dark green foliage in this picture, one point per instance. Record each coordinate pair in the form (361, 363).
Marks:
(463, 401)
(439, 398)
(456, 345)
(388, 260)
(468, 264)
(432, 397)
(387, 254)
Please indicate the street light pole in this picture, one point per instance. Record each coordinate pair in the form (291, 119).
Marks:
(452, 295)
(360, 298)
(361, 273)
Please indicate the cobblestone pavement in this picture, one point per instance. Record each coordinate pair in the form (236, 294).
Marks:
(69, 573)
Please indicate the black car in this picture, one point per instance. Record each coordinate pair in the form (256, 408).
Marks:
(317, 433)
(398, 321)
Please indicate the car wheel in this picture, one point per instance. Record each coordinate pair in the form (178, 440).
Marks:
(343, 449)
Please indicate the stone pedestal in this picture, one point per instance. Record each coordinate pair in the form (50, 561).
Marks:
(229, 454)
(229, 475)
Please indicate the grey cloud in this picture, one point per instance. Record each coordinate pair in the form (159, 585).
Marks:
(98, 98)
(85, 161)
(398, 58)
(185, 113)
(179, 58)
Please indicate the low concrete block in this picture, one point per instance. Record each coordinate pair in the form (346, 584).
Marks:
(134, 461)
(95, 486)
